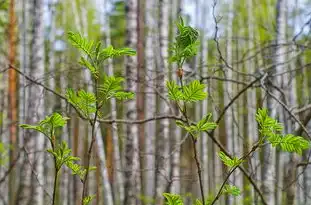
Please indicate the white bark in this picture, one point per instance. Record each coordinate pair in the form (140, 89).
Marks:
(118, 185)
(36, 108)
(163, 146)
(107, 192)
(132, 161)
(175, 162)
(229, 119)
(150, 102)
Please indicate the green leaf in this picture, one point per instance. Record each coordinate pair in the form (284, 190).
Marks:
(198, 202)
(267, 125)
(231, 190)
(87, 200)
(84, 101)
(78, 41)
(289, 143)
(62, 155)
(48, 125)
(228, 161)
(89, 66)
(111, 52)
(194, 91)
(205, 124)
(120, 95)
(111, 87)
(174, 91)
(173, 199)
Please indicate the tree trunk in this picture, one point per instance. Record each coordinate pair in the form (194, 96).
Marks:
(150, 102)
(163, 146)
(132, 161)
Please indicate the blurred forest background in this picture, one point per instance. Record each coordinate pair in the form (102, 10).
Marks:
(239, 41)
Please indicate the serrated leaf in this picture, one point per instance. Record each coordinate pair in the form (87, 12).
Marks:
(228, 161)
(172, 199)
(84, 101)
(174, 91)
(120, 95)
(111, 52)
(89, 66)
(87, 200)
(289, 143)
(231, 190)
(194, 91)
(78, 41)
(205, 124)
(48, 125)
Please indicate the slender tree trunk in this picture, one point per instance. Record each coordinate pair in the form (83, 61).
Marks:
(228, 92)
(118, 185)
(12, 97)
(36, 108)
(150, 102)
(163, 168)
(132, 161)
(176, 131)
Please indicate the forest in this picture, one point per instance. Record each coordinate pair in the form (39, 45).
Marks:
(155, 102)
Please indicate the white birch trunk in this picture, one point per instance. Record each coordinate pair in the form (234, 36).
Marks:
(36, 108)
(118, 186)
(163, 146)
(150, 102)
(132, 162)
(228, 91)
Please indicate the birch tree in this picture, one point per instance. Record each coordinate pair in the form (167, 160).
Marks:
(150, 102)
(132, 162)
(163, 137)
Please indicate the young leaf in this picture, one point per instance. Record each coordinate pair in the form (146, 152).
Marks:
(194, 91)
(89, 66)
(173, 199)
(231, 190)
(228, 161)
(289, 143)
(205, 124)
(48, 125)
(87, 200)
(174, 92)
(78, 41)
(111, 87)
(82, 100)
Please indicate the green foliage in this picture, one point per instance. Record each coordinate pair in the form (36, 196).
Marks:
(48, 125)
(185, 45)
(95, 54)
(84, 101)
(88, 199)
(228, 161)
(192, 92)
(289, 143)
(270, 129)
(203, 125)
(111, 87)
(231, 190)
(62, 156)
(173, 199)
(267, 125)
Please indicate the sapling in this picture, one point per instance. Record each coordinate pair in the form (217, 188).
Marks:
(87, 104)
(184, 47)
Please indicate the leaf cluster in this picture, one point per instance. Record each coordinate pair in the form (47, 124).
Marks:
(94, 53)
(62, 155)
(88, 199)
(204, 124)
(186, 43)
(271, 130)
(231, 190)
(192, 92)
(228, 161)
(48, 125)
